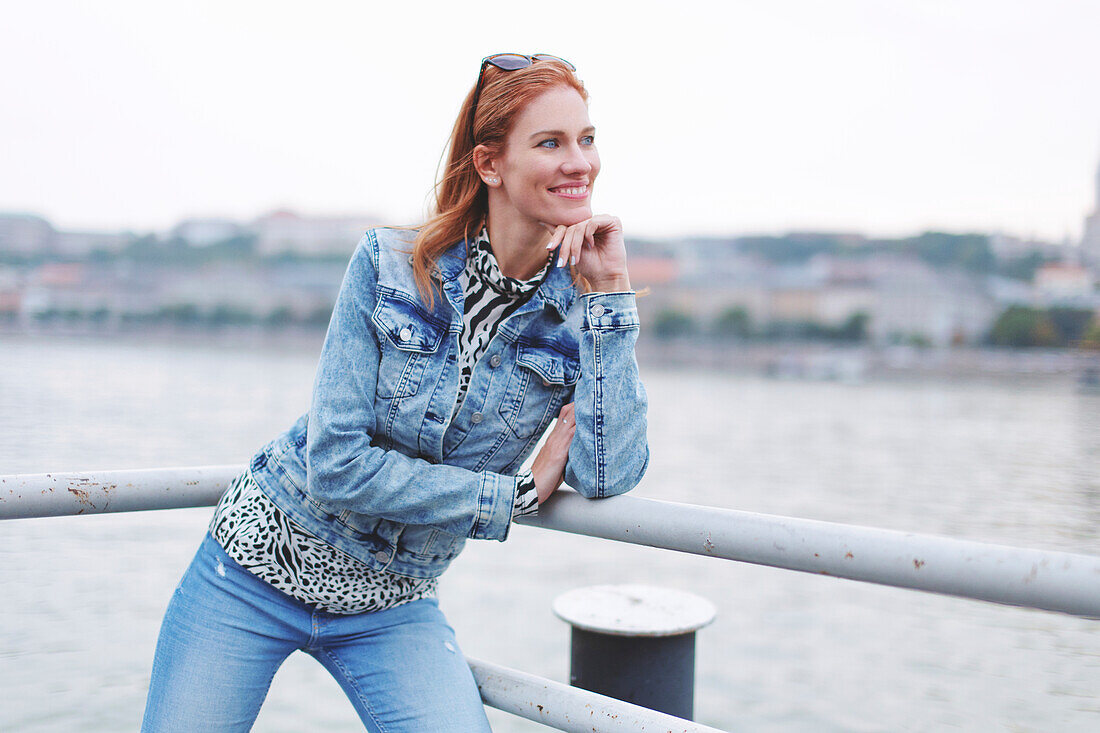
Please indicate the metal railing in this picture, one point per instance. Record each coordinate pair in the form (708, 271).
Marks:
(1043, 579)
(1046, 580)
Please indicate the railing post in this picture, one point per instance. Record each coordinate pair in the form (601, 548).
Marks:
(635, 643)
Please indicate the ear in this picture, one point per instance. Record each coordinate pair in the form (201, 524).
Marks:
(485, 163)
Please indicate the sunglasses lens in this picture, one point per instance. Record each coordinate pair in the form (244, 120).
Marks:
(548, 57)
(509, 61)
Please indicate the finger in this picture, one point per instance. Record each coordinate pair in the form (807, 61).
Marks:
(555, 239)
(568, 409)
(590, 230)
(563, 252)
(576, 236)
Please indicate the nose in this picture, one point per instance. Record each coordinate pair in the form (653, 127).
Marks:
(576, 162)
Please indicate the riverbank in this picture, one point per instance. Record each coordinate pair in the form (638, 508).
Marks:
(780, 360)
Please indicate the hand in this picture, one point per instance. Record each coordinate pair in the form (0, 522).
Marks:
(549, 466)
(596, 248)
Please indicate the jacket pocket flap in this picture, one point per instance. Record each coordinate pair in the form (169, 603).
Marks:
(553, 366)
(406, 324)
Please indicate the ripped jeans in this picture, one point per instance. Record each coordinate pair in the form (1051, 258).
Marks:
(226, 632)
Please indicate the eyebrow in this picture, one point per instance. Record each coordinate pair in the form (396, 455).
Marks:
(560, 133)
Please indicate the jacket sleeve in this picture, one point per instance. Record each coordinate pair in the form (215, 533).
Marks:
(610, 451)
(345, 471)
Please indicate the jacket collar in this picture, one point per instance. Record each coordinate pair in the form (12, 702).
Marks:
(557, 289)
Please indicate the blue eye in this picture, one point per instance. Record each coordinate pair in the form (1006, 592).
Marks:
(588, 140)
(551, 143)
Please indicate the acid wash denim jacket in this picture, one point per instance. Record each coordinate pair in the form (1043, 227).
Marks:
(381, 470)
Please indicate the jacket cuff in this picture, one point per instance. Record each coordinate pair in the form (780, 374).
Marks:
(494, 506)
(610, 311)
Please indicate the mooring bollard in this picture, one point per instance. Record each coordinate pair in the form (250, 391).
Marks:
(635, 643)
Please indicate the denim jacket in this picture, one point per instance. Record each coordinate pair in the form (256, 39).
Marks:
(379, 469)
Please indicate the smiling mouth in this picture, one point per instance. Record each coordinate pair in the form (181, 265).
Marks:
(571, 190)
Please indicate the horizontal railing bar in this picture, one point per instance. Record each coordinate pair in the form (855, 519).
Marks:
(1042, 579)
(96, 492)
(569, 708)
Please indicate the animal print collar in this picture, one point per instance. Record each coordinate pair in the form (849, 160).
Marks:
(484, 263)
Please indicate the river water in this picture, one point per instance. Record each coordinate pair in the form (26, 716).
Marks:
(1006, 461)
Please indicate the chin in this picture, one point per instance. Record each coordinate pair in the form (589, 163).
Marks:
(569, 218)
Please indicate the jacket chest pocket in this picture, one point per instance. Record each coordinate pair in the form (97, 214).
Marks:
(408, 337)
(536, 389)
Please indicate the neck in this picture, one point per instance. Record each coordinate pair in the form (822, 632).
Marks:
(518, 245)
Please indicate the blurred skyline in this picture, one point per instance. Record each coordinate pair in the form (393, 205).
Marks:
(852, 115)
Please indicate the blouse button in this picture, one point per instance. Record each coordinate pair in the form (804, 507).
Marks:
(494, 362)
(475, 418)
(405, 334)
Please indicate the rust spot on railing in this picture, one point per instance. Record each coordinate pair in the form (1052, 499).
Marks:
(81, 496)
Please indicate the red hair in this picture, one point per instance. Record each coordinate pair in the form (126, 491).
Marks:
(461, 199)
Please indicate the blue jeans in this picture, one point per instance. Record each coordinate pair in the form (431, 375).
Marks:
(226, 632)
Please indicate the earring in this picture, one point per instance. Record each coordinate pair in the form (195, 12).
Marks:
(494, 180)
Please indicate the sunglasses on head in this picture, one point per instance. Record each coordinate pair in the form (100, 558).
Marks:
(507, 62)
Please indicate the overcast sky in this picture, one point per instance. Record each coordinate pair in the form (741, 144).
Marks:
(885, 117)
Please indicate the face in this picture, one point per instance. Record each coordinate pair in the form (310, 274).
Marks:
(549, 161)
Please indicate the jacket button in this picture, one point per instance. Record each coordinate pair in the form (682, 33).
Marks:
(475, 418)
(382, 556)
(597, 310)
(546, 383)
(494, 362)
(405, 334)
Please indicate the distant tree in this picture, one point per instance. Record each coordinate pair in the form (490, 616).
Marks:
(670, 322)
(940, 249)
(181, 314)
(230, 315)
(733, 322)
(1091, 338)
(1022, 326)
(47, 315)
(1069, 323)
(319, 317)
(279, 318)
(1023, 268)
(854, 327)
(794, 247)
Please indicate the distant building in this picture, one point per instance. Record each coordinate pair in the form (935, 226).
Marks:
(1090, 241)
(81, 243)
(1060, 281)
(24, 234)
(913, 300)
(1009, 247)
(204, 232)
(27, 234)
(285, 231)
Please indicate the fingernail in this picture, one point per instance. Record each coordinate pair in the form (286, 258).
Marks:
(560, 262)
(573, 260)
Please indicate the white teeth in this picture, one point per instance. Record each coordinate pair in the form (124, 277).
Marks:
(572, 191)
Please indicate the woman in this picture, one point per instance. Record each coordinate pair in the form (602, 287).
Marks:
(451, 349)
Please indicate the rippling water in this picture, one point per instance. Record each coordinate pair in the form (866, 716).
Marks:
(1008, 462)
